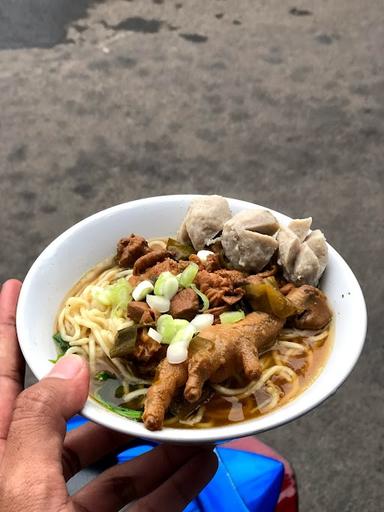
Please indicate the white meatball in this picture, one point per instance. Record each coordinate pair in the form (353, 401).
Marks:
(300, 227)
(302, 256)
(248, 240)
(204, 219)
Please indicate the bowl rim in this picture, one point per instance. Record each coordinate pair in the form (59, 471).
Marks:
(108, 419)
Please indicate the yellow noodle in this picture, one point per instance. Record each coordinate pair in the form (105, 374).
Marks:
(194, 419)
(255, 384)
(134, 394)
(89, 328)
(295, 385)
(277, 358)
(77, 350)
(79, 342)
(316, 340)
(92, 355)
(291, 344)
(127, 373)
(270, 402)
(300, 333)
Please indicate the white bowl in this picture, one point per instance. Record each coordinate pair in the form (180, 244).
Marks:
(87, 243)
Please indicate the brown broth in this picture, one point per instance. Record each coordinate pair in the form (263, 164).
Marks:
(220, 411)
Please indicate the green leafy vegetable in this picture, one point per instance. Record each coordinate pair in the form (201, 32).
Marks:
(116, 295)
(122, 411)
(188, 275)
(202, 296)
(124, 342)
(104, 375)
(54, 361)
(61, 344)
(266, 296)
(178, 250)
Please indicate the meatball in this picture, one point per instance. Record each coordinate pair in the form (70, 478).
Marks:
(204, 220)
(248, 240)
(303, 256)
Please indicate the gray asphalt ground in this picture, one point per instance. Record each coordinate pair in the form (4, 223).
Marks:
(277, 102)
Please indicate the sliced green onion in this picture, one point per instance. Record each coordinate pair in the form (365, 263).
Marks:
(170, 287)
(116, 295)
(156, 303)
(163, 320)
(188, 275)
(231, 317)
(158, 290)
(202, 321)
(166, 285)
(142, 290)
(167, 327)
(202, 296)
(185, 334)
(177, 352)
(180, 323)
(101, 295)
(152, 333)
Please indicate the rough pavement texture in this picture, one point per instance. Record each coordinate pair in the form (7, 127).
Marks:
(277, 102)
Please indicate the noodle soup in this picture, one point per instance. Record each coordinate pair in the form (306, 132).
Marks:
(88, 326)
(79, 249)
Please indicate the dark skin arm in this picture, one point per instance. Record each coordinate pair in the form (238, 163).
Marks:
(37, 457)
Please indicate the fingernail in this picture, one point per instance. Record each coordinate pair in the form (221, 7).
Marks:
(67, 367)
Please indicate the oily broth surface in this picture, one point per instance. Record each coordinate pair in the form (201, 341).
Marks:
(221, 411)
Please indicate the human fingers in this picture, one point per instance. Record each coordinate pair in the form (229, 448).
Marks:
(38, 424)
(184, 485)
(11, 360)
(89, 443)
(127, 482)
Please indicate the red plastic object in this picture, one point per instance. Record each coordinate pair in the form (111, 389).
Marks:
(288, 500)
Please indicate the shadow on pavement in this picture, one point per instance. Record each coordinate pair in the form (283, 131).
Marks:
(38, 23)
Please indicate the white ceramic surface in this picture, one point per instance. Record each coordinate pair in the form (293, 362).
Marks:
(82, 246)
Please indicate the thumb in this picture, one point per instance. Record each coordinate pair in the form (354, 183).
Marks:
(39, 420)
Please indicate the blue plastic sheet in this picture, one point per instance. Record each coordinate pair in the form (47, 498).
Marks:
(244, 482)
